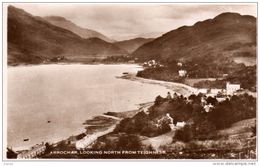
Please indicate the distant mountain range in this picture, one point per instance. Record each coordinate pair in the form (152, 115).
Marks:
(227, 35)
(122, 37)
(32, 39)
(132, 44)
(82, 32)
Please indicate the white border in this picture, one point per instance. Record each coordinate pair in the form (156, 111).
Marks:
(3, 83)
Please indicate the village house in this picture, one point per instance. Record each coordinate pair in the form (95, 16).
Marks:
(220, 99)
(232, 88)
(169, 119)
(203, 101)
(152, 63)
(131, 61)
(180, 124)
(179, 64)
(214, 92)
(208, 107)
(33, 152)
(182, 73)
(225, 75)
(211, 92)
(203, 91)
(88, 140)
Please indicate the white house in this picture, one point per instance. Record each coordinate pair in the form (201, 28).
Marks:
(89, 139)
(208, 107)
(151, 63)
(232, 88)
(86, 141)
(214, 92)
(202, 90)
(180, 124)
(33, 152)
(182, 73)
(220, 99)
(179, 64)
(203, 101)
(225, 75)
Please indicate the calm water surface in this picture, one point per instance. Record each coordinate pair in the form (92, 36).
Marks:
(67, 95)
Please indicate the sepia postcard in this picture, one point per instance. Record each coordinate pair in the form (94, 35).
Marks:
(130, 81)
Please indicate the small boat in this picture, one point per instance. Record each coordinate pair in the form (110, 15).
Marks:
(27, 139)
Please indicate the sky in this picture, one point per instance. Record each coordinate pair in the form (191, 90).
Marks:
(125, 21)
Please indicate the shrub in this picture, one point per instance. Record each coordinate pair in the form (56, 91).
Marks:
(129, 142)
(185, 134)
(159, 100)
(205, 130)
(233, 110)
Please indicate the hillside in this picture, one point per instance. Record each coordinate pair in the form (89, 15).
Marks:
(228, 35)
(33, 40)
(183, 128)
(82, 32)
(132, 44)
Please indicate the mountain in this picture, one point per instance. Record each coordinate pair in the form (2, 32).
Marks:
(227, 35)
(32, 39)
(150, 35)
(122, 37)
(82, 32)
(132, 44)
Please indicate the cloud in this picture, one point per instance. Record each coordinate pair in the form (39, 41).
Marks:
(122, 20)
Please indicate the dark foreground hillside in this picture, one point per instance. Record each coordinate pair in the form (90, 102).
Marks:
(227, 131)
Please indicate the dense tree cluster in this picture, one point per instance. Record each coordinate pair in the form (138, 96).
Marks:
(200, 124)
(246, 76)
(121, 58)
(233, 110)
(206, 68)
(119, 142)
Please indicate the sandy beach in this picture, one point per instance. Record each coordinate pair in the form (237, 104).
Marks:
(179, 88)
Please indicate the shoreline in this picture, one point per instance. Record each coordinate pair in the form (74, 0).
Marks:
(94, 131)
(73, 63)
(94, 127)
(55, 138)
(116, 116)
(99, 128)
(179, 88)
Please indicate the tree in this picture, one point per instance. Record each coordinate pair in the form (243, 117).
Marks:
(185, 134)
(129, 142)
(10, 154)
(159, 100)
(212, 100)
